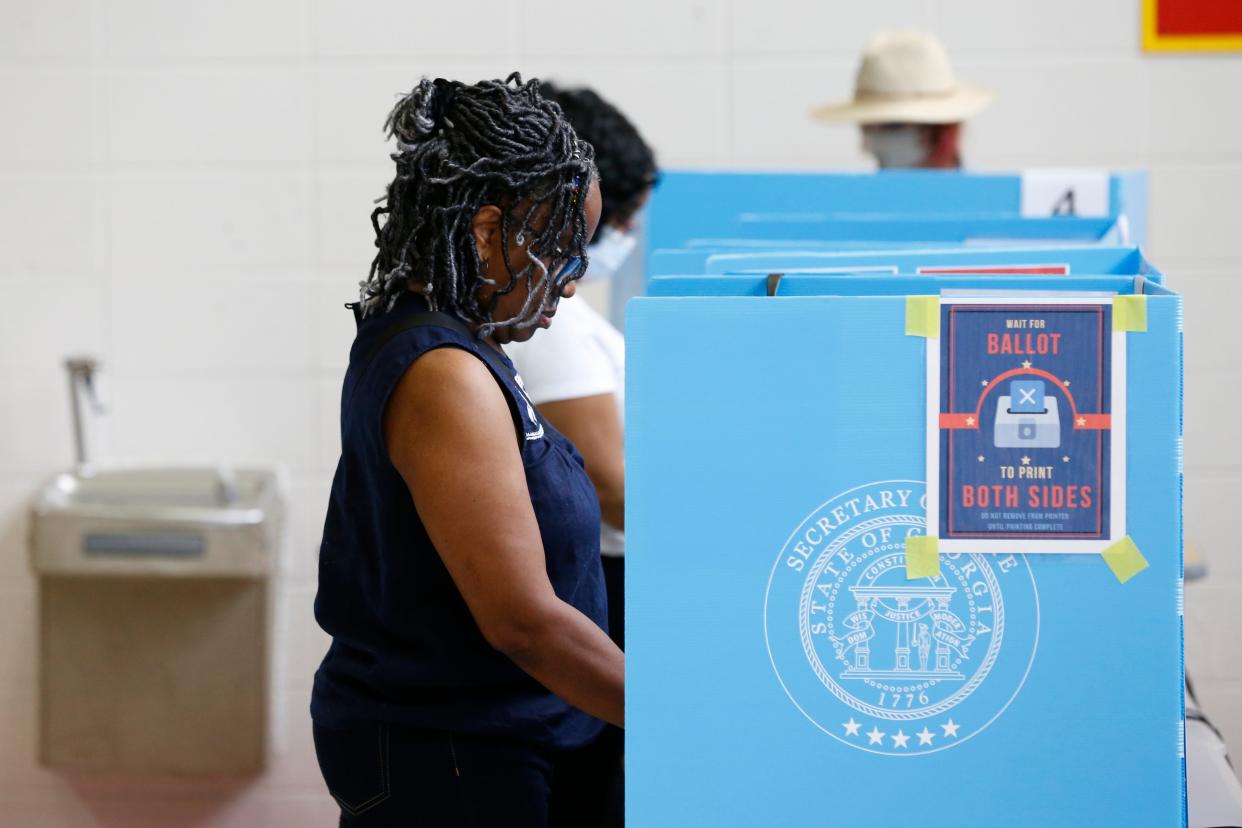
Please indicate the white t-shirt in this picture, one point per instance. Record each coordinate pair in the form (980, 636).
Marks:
(580, 355)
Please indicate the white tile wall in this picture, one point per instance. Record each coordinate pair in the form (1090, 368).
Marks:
(230, 29)
(195, 418)
(196, 115)
(1210, 494)
(687, 29)
(35, 236)
(208, 334)
(327, 438)
(305, 642)
(59, 29)
(1215, 605)
(343, 221)
(1051, 109)
(1212, 346)
(1212, 396)
(49, 114)
(334, 323)
(34, 440)
(688, 124)
(185, 190)
(31, 339)
(308, 502)
(206, 222)
(350, 106)
(1184, 120)
(771, 98)
(781, 27)
(1101, 27)
(404, 29)
(1194, 215)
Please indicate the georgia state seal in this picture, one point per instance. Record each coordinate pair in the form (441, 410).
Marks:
(883, 663)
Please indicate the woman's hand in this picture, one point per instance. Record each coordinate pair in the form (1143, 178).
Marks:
(450, 434)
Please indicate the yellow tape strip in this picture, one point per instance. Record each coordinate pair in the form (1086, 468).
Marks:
(1124, 559)
(1130, 313)
(923, 316)
(922, 557)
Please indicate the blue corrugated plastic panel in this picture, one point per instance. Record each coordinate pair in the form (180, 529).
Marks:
(756, 425)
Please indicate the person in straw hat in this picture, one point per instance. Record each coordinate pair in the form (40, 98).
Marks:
(908, 102)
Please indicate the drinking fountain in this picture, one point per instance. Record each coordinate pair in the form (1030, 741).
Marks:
(155, 587)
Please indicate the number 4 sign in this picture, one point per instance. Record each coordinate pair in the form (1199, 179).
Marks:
(1082, 193)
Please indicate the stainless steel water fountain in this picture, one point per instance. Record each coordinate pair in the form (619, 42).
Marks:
(155, 604)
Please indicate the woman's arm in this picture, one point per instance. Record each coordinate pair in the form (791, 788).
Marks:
(450, 435)
(592, 424)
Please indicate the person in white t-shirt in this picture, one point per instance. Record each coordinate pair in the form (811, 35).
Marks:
(574, 372)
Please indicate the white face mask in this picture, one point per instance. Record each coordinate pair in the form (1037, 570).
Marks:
(896, 147)
(608, 254)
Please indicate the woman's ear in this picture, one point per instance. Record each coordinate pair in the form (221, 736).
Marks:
(486, 229)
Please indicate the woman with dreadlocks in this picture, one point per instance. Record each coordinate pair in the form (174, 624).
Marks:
(459, 573)
(575, 373)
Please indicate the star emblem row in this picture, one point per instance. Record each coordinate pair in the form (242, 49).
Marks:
(901, 739)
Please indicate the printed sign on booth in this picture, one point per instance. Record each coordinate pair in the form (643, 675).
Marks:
(1025, 407)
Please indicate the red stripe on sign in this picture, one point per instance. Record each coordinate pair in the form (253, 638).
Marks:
(1098, 422)
(1032, 270)
(1198, 17)
(958, 421)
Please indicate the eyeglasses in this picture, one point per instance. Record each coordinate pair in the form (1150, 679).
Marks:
(570, 269)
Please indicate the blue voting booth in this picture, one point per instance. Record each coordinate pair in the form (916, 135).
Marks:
(1036, 260)
(691, 270)
(903, 531)
(870, 284)
(778, 228)
(689, 206)
(719, 212)
(775, 459)
(901, 259)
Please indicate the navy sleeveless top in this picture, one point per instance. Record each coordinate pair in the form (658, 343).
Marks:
(405, 648)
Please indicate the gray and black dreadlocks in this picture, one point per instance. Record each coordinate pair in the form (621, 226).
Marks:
(460, 147)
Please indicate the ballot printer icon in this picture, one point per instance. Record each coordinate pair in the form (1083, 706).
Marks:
(1026, 418)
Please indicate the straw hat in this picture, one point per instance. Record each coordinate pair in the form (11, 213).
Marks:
(905, 77)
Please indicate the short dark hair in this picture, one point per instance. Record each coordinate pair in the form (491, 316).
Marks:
(460, 147)
(627, 165)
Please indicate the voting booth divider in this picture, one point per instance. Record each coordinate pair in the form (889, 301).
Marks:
(1030, 261)
(723, 211)
(870, 284)
(904, 547)
(1029, 255)
(899, 228)
(690, 205)
(1059, 259)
